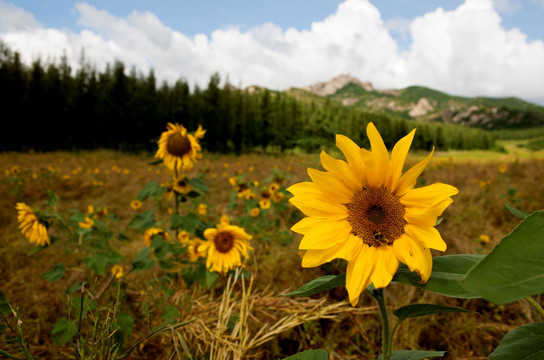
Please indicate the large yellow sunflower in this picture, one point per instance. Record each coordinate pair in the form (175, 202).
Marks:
(224, 247)
(368, 212)
(31, 227)
(178, 149)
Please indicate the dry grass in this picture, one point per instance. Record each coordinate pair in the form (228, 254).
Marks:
(247, 318)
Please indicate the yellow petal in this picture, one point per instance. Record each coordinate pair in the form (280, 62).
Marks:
(351, 152)
(342, 171)
(305, 225)
(428, 196)
(319, 207)
(378, 150)
(358, 273)
(210, 234)
(305, 187)
(325, 235)
(427, 237)
(420, 216)
(329, 184)
(408, 180)
(346, 251)
(386, 266)
(415, 256)
(398, 157)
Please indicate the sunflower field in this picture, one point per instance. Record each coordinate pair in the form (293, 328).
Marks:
(351, 253)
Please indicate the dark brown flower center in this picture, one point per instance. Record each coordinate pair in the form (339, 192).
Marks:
(178, 145)
(224, 241)
(376, 216)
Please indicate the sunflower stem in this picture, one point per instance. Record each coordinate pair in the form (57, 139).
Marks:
(386, 334)
(536, 305)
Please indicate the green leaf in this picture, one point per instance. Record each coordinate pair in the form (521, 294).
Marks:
(55, 273)
(198, 184)
(516, 212)
(143, 221)
(315, 286)
(523, 343)
(151, 189)
(4, 305)
(413, 354)
(52, 198)
(416, 310)
(211, 276)
(125, 323)
(77, 216)
(88, 304)
(73, 288)
(447, 272)
(514, 269)
(309, 355)
(99, 261)
(187, 222)
(63, 331)
(143, 261)
(96, 263)
(170, 314)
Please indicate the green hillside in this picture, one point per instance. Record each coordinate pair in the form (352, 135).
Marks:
(418, 102)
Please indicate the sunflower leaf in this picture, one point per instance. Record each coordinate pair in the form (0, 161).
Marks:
(143, 221)
(525, 342)
(151, 189)
(189, 222)
(413, 354)
(315, 286)
(55, 273)
(447, 272)
(516, 212)
(309, 355)
(514, 269)
(416, 310)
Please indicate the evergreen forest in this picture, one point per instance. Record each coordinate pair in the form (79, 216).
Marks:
(50, 106)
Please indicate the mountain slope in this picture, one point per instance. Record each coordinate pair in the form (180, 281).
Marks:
(423, 103)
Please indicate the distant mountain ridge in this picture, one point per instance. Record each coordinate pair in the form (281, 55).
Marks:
(418, 102)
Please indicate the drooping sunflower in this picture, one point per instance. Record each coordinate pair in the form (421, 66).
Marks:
(150, 233)
(32, 228)
(368, 212)
(225, 247)
(177, 148)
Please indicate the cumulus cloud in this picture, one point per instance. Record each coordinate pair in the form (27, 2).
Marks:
(13, 18)
(464, 51)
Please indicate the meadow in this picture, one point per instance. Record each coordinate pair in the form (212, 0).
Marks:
(239, 314)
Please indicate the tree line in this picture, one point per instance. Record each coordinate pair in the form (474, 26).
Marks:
(48, 106)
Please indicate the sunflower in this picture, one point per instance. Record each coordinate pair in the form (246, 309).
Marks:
(184, 237)
(225, 247)
(34, 229)
(367, 212)
(150, 233)
(135, 204)
(264, 203)
(87, 224)
(192, 249)
(181, 186)
(255, 212)
(178, 149)
(202, 209)
(118, 271)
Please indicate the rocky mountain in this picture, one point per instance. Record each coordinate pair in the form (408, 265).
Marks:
(422, 103)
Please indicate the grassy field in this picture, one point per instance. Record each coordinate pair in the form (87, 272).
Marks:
(486, 181)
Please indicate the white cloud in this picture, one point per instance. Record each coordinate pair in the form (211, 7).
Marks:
(465, 51)
(13, 18)
(507, 6)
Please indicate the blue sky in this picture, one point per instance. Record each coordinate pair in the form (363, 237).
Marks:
(470, 47)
